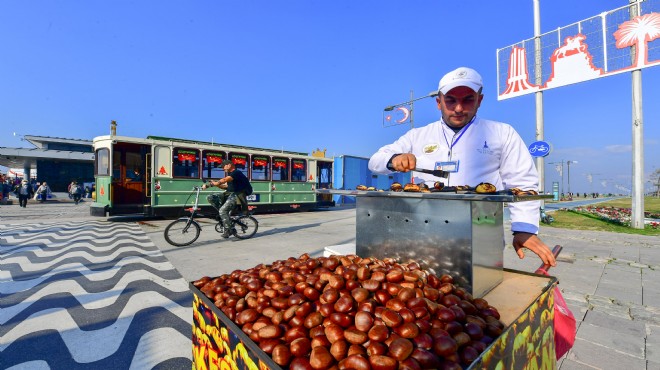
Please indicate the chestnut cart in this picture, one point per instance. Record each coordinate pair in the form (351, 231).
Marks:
(458, 234)
(447, 233)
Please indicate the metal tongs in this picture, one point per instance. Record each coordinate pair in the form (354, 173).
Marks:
(436, 173)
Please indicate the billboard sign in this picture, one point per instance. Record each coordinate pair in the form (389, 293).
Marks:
(621, 40)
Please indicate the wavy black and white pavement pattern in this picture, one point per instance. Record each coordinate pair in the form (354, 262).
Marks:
(90, 295)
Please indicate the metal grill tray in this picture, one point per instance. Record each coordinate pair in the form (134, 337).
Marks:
(500, 196)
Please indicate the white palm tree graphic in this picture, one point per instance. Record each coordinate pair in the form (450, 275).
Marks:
(638, 31)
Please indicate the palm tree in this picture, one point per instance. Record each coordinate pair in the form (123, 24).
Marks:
(655, 181)
(638, 31)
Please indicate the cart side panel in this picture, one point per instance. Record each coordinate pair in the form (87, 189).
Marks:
(528, 343)
(218, 344)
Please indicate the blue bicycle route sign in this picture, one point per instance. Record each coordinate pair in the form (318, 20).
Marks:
(539, 149)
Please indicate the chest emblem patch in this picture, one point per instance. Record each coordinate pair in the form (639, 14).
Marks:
(430, 148)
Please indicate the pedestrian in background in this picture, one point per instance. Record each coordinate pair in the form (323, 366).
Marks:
(42, 191)
(68, 189)
(75, 191)
(24, 191)
(6, 188)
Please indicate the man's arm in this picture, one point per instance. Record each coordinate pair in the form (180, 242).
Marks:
(402, 162)
(222, 183)
(379, 160)
(518, 170)
(534, 244)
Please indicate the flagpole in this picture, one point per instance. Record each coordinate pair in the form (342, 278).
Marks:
(412, 111)
(410, 103)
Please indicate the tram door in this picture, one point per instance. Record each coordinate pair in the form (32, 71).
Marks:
(324, 181)
(129, 176)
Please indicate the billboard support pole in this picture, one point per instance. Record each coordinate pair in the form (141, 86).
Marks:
(637, 212)
(540, 161)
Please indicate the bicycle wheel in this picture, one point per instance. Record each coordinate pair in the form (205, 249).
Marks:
(245, 227)
(181, 233)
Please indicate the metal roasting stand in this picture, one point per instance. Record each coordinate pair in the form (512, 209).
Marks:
(460, 234)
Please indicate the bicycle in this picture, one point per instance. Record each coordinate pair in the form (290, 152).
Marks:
(546, 218)
(185, 230)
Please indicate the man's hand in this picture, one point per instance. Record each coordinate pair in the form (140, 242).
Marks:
(404, 162)
(534, 244)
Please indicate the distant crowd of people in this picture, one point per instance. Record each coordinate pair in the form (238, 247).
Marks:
(571, 195)
(39, 191)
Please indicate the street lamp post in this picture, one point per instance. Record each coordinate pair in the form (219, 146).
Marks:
(590, 178)
(568, 172)
(409, 102)
(561, 172)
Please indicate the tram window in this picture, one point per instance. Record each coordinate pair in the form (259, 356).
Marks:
(212, 164)
(185, 163)
(260, 167)
(280, 169)
(134, 165)
(240, 160)
(298, 170)
(102, 164)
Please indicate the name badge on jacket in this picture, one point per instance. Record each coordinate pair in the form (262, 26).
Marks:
(450, 166)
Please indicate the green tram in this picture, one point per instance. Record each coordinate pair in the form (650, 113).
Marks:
(155, 176)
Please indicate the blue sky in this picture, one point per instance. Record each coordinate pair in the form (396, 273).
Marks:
(299, 75)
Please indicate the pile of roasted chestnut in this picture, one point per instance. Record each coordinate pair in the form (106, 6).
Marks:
(347, 312)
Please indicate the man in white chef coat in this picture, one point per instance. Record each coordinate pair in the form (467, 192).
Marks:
(472, 150)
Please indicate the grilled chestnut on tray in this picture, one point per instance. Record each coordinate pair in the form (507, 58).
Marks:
(485, 188)
(396, 187)
(520, 192)
(350, 312)
(411, 187)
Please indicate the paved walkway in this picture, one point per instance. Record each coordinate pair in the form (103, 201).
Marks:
(85, 293)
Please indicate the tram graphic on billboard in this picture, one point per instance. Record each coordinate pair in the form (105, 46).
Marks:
(621, 40)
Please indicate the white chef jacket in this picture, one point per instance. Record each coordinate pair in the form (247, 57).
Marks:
(486, 151)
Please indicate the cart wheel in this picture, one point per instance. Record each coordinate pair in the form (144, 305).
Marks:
(219, 228)
(245, 227)
(182, 232)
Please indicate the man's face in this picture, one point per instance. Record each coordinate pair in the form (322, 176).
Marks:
(459, 105)
(227, 167)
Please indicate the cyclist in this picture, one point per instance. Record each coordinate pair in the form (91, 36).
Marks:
(236, 184)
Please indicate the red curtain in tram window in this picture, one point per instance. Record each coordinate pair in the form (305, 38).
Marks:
(280, 169)
(239, 160)
(186, 157)
(212, 158)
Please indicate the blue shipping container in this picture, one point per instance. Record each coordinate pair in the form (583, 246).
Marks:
(351, 171)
